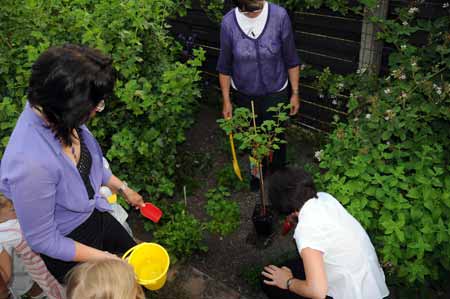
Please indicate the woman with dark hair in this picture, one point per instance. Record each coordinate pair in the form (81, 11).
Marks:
(258, 61)
(337, 258)
(52, 168)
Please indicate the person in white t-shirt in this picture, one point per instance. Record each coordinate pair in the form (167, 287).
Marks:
(337, 258)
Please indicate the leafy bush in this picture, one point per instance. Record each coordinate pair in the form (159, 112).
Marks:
(215, 8)
(169, 208)
(389, 164)
(227, 178)
(182, 235)
(224, 213)
(261, 139)
(155, 94)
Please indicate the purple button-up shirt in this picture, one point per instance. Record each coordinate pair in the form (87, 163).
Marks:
(46, 188)
(258, 66)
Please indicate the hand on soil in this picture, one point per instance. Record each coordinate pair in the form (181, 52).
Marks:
(278, 276)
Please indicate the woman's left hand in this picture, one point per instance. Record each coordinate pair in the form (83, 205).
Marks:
(133, 198)
(295, 104)
(278, 276)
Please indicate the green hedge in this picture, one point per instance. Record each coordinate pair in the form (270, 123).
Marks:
(389, 162)
(155, 95)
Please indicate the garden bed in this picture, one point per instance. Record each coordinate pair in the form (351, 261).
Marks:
(236, 259)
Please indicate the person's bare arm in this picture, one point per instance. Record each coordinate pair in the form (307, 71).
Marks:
(227, 107)
(5, 266)
(131, 196)
(84, 253)
(294, 77)
(5, 273)
(315, 286)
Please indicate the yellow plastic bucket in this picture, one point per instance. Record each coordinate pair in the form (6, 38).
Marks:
(150, 262)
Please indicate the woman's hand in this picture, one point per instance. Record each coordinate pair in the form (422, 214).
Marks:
(278, 276)
(227, 109)
(295, 104)
(133, 198)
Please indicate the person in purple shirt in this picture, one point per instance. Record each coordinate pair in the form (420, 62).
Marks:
(52, 168)
(259, 61)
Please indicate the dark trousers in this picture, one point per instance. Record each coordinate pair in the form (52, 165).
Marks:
(261, 104)
(101, 231)
(298, 270)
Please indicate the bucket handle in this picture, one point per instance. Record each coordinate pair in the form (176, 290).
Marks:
(129, 251)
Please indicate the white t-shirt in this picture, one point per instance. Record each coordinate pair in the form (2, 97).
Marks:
(253, 27)
(351, 263)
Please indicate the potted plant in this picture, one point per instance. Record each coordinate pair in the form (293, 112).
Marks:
(260, 140)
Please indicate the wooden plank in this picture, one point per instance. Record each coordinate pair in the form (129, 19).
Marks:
(310, 94)
(202, 35)
(340, 27)
(328, 45)
(198, 17)
(313, 111)
(320, 61)
(311, 122)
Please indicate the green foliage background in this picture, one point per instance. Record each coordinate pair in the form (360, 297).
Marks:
(389, 162)
(224, 212)
(155, 94)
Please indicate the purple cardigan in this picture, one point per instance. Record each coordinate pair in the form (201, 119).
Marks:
(258, 66)
(46, 188)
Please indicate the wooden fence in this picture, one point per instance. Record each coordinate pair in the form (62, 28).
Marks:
(323, 39)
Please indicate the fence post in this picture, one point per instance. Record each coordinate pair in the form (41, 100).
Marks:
(371, 48)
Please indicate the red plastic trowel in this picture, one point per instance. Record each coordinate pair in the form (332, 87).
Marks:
(151, 212)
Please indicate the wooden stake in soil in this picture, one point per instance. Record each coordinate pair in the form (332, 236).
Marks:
(259, 165)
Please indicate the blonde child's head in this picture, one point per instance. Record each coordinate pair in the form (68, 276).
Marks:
(103, 279)
(6, 209)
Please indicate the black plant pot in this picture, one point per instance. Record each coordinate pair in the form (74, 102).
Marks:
(263, 223)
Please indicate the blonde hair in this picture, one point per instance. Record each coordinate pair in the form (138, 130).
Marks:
(103, 279)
